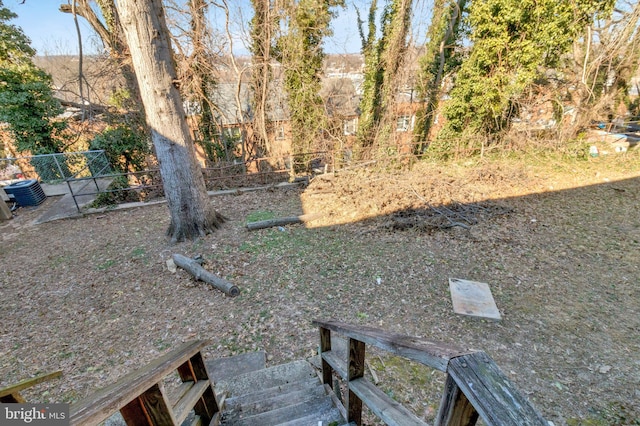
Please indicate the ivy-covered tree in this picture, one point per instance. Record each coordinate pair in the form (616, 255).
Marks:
(373, 77)
(263, 25)
(438, 59)
(198, 77)
(27, 104)
(511, 43)
(301, 54)
(383, 59)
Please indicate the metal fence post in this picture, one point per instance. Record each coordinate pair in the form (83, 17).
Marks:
(55, 158)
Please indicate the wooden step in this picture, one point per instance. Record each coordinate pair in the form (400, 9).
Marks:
(267, 378)
(303, 385)
(185, 404)
(317, 407)
(327, 418)
(222, 369)
(275, 401)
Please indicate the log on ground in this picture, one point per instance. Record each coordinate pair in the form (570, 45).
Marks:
(199, 273)
(270, 223)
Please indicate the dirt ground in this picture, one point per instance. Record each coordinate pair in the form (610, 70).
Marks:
(557, 242)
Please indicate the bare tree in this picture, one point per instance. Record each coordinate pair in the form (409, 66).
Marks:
(606, 62)
(262, 29)
(145, 29)
(108, 28)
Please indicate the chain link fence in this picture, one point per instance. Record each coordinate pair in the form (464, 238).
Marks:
(56, 168)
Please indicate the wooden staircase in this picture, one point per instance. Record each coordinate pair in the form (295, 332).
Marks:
(288, 394)
(242, 391)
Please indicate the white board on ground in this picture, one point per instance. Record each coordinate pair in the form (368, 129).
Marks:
(473, 298)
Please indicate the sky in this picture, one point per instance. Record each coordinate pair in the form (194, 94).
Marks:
(51, 31)
(54, 33)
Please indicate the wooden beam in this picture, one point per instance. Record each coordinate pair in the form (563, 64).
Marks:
(455, 409)
(150, 408)
(493, 396)
(356, 371)
(336, 364)
(27, 383)
(434, 354)
(391, 412)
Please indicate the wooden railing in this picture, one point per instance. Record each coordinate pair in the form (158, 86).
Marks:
(142, 399)
(475, 386)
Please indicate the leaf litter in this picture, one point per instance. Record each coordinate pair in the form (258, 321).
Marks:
(94, 298)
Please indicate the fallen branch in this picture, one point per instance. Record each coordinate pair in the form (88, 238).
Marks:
(270, 223)
(199, 273)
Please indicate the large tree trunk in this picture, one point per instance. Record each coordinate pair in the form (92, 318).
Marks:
(192, 214)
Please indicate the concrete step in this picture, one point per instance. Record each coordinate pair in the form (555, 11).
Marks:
(316, 408)
(307, 385)
(270, 377)
(327, 418)
(275, 401)
(223, 369)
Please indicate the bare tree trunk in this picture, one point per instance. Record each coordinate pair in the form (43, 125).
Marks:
(261, 35)
(192, 214)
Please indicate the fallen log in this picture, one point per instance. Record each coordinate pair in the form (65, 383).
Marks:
(270, 223)
(199, 273)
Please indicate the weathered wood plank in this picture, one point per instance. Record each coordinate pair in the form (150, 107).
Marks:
(356, 371)
(176, 394)
(134, 414)
(215, 421)
(339, 365)
(337, 402)
(455, 409)
(491, 393)
(208, 405)
(427, 352)
(182, 408)
(150, 408)
(325, 346)
(27, 383)
(157, 407)
(388, 410)
(105, 402)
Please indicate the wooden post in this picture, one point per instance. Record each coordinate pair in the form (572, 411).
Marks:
(356, 371)
(195, 370)
(150, 408)
(455, 408)
(325, 346)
